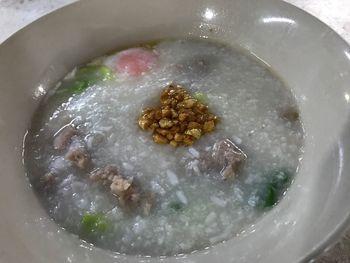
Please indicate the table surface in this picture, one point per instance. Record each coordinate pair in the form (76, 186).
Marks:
(15, 14)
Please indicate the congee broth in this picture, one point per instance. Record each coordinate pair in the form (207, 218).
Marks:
(164, 149)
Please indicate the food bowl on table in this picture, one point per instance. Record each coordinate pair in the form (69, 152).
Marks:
(276, 39)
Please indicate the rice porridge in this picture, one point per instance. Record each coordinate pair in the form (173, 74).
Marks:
(107, 168)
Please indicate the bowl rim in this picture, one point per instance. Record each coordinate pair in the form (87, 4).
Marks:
(341, 227)
(339, 230)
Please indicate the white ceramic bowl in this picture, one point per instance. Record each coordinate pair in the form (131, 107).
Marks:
(312, 59)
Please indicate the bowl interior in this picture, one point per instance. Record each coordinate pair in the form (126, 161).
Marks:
(310, 57)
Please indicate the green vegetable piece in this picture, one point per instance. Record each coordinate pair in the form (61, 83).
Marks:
(94, 73)
(84, 77)
(94, 225)
(280, 180)
(177, 206)
(71, 87)
(77, 86)
(290, 114)
(201, 97)
(277, 182)
(265, 197)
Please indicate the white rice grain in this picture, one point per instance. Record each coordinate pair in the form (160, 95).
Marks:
(194, 152)
(172, 177)
(182, 197)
